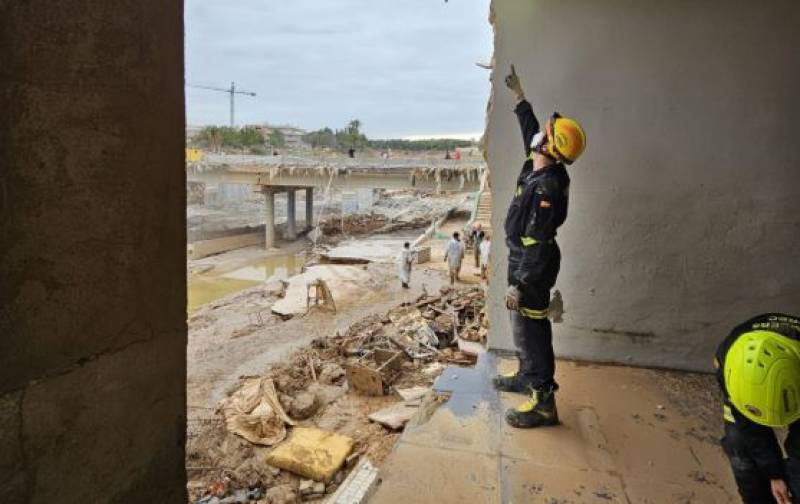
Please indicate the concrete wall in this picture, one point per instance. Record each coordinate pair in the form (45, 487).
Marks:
(92, 247)
(685, 208)
(205, 248)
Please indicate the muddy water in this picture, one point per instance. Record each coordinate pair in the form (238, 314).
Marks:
(224, 279)
(211, 285)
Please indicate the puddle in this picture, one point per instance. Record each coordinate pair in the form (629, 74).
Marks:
(469, 388)
(211, 285)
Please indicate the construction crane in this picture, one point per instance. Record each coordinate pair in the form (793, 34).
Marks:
(231, 91)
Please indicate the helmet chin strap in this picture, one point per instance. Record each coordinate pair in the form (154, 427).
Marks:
(538, 141)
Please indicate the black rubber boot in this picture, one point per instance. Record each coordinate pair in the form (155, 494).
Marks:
(516, 382)
(539, 411)
(520, 382)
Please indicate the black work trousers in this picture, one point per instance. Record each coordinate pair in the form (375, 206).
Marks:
(534, 341)
(753, 485)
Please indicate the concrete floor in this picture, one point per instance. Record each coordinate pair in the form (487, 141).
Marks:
(627, 435)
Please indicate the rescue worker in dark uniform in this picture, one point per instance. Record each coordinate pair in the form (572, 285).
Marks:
(538, 208)
(758, 369)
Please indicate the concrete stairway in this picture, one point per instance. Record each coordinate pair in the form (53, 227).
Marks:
(484, 215)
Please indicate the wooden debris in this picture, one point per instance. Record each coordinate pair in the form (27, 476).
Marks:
(372, 376)
(318, 294)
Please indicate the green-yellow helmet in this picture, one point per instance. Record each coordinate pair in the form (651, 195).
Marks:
(762, 375)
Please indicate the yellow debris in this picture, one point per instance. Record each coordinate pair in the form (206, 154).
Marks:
(312, 453)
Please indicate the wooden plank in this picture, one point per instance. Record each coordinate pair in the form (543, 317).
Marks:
(364, 380)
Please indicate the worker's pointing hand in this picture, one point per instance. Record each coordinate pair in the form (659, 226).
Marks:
(513, 83)
(780, 491)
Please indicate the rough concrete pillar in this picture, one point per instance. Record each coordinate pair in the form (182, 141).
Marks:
(683, 217)
(269, 217)
(92, 252)
(291, 224)
(309, 207)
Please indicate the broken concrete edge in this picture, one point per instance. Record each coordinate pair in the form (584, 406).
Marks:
(427, 407)
(358, 486)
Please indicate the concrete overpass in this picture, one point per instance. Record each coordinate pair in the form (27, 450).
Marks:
(270, 177)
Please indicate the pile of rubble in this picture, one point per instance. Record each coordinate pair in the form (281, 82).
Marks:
(366, 223)
(297, 432)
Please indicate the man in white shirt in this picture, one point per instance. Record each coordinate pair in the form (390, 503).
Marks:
(485, 248)
(405, 260)
(453, 256)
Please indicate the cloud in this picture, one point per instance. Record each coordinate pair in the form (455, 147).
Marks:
(403, 68)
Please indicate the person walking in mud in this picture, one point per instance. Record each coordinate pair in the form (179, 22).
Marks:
(405, 260)
(453, 256)
(485, 251)
(538, 208)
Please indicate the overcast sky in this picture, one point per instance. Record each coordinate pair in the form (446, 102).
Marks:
(403, 67)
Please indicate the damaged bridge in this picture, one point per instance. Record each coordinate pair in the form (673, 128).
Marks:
(270, 178)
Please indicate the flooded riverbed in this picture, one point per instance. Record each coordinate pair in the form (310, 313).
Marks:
(210, 285)
(225, 275)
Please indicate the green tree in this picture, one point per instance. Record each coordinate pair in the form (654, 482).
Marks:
(438, 144)
(321, 138)
(209, 137)
(276, 138)
(351, 136)
(250, 137)
(216, 138)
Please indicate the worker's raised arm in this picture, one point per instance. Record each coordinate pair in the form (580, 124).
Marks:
(527, 119)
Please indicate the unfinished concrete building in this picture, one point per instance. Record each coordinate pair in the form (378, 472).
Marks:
(684, 216)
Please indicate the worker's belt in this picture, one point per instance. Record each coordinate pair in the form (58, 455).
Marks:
(527, 241)
(533, 314)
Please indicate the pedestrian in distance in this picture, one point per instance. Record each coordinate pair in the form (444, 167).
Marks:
(405, 260)
(476, 236)
(453, 256)
(538, 208)
(485, 250)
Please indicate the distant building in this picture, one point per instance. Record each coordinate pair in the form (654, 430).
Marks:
(192, 131)
(292, 135)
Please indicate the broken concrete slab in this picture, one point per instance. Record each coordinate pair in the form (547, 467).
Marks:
(312, 453)
(396, 415)
(347, 283)
(412, 393)
(470, 347)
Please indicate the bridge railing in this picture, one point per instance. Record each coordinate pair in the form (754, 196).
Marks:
(344, 162)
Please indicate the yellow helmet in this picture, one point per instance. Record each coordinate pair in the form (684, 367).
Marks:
(762, 376)
(566, 139)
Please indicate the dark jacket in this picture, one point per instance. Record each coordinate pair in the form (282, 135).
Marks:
(538, 208)
(759, 440)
